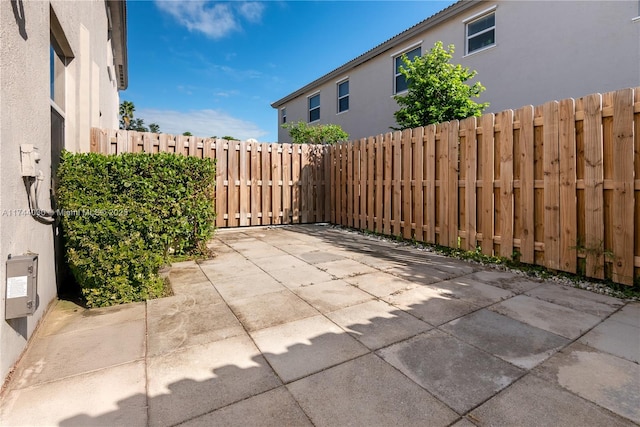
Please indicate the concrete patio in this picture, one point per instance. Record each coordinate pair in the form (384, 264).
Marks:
(313, 325)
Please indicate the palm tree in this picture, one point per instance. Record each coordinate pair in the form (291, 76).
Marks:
(126, 114)
(154, 127)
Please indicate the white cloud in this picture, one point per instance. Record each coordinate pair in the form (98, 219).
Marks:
(252, 11)
(214, 19)
(204, 123)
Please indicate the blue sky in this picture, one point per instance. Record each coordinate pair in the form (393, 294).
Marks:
(214, 68)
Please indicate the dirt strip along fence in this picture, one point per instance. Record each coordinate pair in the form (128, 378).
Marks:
(256, 183)
(556, 185)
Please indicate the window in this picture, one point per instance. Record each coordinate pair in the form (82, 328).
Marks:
(314, 108)
(343, 96)
(481, 32)
(400, 83)
(57, 65)
(283, 115)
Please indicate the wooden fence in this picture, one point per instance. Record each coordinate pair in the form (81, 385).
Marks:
(256, 183)
(557, 185)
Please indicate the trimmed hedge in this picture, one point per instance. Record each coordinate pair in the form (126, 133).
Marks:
(123, 215)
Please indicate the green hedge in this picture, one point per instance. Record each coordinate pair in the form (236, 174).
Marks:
(124, 215)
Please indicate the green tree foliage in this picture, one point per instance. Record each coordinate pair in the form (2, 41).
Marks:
(437, 90)
(126, 114)
(230, 138)
(302, 133)
(128, 122)
(187, 133)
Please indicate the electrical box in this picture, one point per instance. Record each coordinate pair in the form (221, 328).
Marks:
(29, 156)
(21, 286)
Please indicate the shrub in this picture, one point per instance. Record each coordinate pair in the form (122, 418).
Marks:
(123, 215)
(302, 133)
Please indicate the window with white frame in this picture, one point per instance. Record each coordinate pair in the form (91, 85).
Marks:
(481, 32)
(283, 115)
(314, 108)
(343, 96)
(400, 81)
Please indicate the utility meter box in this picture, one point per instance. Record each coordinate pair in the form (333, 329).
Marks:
(21, 286)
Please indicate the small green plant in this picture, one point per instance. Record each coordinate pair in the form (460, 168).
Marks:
(595, 251)
(437, 90)
(124, 216)
(302, 133)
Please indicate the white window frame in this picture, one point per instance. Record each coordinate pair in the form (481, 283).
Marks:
(396, 55)
(339, 98)
(314, 108)
(283, 115)
(471, 20)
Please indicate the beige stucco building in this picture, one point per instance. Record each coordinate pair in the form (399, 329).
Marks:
(62, 64)
(525, 52)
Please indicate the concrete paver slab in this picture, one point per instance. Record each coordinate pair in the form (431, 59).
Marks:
(345, 268)
(264, 311)
(422, 274)
(187, 273)
(274, 408)
(464, 423)
(227, 270)
(306, 346)
(199, 379)
(332, 295)
(67, 316)
(607, 380)
(368, 392)
(236, 288)
(293, 277)
(380, 284)
(172, 328)
(629, 314)
(378, 261)
(113, 396)
(511, 340)
(551, 317)
(318, 256)
(279, 262)
(430, 305)
(476, 293)
(532, 402)
(456, 373)
(578, 299)
(377, 324)
(502, 279)
(189, 296)
(620, 339)
(47, 359)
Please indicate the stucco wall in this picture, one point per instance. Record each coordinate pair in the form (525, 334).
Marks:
(25, 117)
(544, 51)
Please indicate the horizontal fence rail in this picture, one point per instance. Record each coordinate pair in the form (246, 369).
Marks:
(557, 185)
(256, 183)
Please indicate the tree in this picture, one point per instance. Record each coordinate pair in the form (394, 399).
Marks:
(154, 127)
(138, 125)
(126, 114)
(302, 133)
(187, 133)
(437, 90)
(230, 138)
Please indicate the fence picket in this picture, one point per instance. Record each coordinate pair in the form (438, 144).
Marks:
(623, 177)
